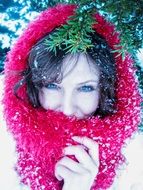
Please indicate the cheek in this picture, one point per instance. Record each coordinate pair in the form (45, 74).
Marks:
(49, 100)
(87, 103)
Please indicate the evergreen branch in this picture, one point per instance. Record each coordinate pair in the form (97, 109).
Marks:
(73, 34)
(126, 15)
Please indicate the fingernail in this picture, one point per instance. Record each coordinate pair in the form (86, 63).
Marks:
(63, 151)
(75, 138)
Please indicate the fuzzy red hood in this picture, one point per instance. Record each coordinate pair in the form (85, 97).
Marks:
(41, 135)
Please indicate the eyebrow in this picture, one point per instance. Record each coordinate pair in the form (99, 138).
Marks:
(87, 82)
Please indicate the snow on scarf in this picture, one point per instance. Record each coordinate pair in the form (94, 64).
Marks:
(41, 135)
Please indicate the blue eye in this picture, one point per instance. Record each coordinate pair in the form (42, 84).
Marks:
(86, 88)
(52, 86)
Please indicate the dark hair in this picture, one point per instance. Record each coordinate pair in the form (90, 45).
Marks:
(45, 67)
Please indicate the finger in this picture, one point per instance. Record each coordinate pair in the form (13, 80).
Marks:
(92, 146)
(61, 172)
(71, 165)
(80, 154)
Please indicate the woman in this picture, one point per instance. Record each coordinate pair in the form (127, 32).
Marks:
(70, 114)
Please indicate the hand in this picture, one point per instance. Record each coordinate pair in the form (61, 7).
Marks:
(81, 174)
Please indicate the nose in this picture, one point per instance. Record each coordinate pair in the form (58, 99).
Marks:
(68, 105)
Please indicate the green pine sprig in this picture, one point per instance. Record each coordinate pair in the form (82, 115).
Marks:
(74, 34)
(126, 15)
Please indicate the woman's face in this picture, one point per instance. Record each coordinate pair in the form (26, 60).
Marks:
(78, 93)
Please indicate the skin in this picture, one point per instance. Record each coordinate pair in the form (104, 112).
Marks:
(77, 95)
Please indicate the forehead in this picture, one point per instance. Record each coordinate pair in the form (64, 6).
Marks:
(79, 68)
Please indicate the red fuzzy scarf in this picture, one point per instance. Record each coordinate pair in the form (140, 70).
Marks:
(41, 135)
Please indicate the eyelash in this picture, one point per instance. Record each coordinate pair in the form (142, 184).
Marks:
(85, 88)
(52, 86)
